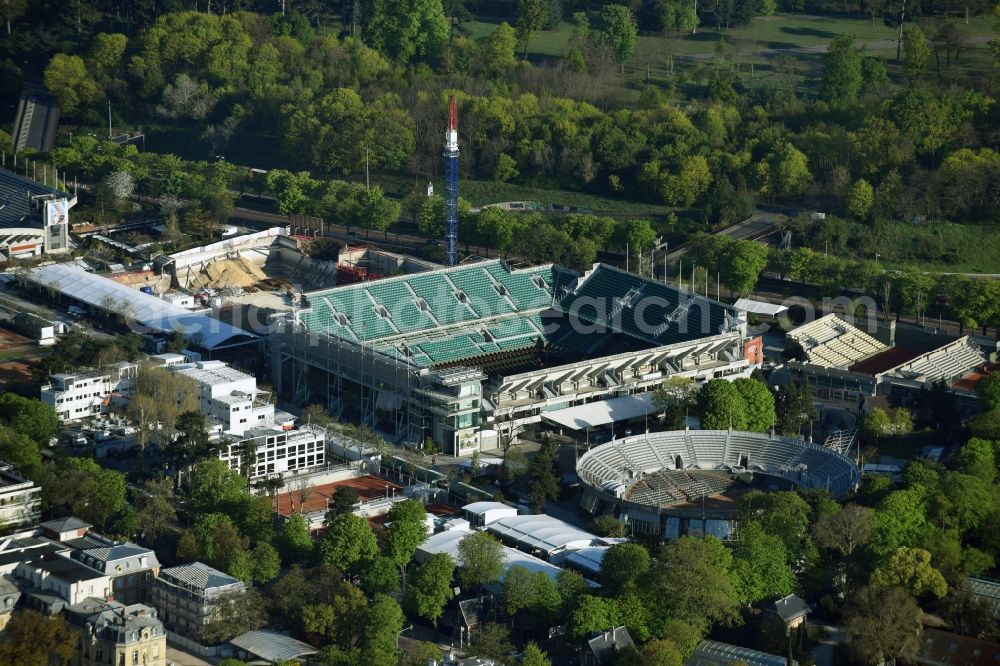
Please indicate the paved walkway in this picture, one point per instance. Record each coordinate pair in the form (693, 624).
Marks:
(181, 658)
(826, 651)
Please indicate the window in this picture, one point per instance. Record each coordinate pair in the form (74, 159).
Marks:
(135, 657)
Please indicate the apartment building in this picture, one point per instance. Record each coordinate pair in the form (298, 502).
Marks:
(228, 395)
(20, 499)
(187, 595)
(77, 395)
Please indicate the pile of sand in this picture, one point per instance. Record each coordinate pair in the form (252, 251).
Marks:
(224, 273)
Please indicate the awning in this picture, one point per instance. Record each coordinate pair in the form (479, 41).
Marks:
(759, 307)
(600, 413)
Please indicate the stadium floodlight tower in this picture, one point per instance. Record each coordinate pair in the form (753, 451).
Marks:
(451, 185)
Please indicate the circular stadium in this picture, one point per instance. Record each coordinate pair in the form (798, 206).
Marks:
(691, 482)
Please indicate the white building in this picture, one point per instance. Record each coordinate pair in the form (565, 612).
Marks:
(228, 395)
(77, 395)
(20, 499)
(278, 451)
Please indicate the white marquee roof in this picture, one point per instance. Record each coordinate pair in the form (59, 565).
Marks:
(602, 412)
(150, 311)
(540, 532)
(759, 307)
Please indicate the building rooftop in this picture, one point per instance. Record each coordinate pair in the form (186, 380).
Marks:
(605, 646)
(272, 647)
(791, 608)
(15, 200)
(715, 653)
(63, 568)
(154, 313)
(65, 524)
(199, 576)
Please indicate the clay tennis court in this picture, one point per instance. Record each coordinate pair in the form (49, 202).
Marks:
(368, 487)
(22, 351)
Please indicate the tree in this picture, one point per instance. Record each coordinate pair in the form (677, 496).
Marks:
(294, 542)
(592, 614)
(20, 451)
(407, 529)
(795, 408)
(12, 10)
(899, 520)
(68, 78)
(988, 392)
(533, 656)
(480, 560)
(497, 50)
(978, 456)
(841, 71)
(619, 33)
(911, 569)
(721, 406)
(608, 526)
(691, 581)
(403, 31)
(844, 530)
(29, 417)
(860, 199)
(343, 502)
(349, 543)
(266, 562)
(381, 576)
(882, 623)
(429, 588)
(217, 541)
(492, 641)
(916, 50)
(783, 514)
(214, 487)
(85, 489)
(156, 508)
(543, 484)
(376, 211)
(741, 266)
(760, 564)
(673, 398)
(759, 403)
(532, 15)
(623, 563)
(32, 639)
(233, 614)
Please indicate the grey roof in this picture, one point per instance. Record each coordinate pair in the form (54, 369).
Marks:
(118, 552)
(199, 576)
(114, 620)
(150, 311)
(987, 589)
(272, 646)
(791, 607)
(51, 601)
(714, 653)
(64, 568)
(15, 210)
(66, 524)
(605, 645)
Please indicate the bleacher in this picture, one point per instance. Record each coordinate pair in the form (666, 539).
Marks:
(671, 487)
(642, 456)
(654, 312)
(521, 287)
(398, 300)
(833, 343)
(950, 362)
(482, 295)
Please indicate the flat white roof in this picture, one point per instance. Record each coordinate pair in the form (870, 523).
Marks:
(602, 412)
(541, 532)
(588, 558)
(759, 307)
(479, 508)
(148, 310)
(447, 542)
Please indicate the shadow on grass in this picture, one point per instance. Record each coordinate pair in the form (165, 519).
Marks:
(809, 32)
(782, 46)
